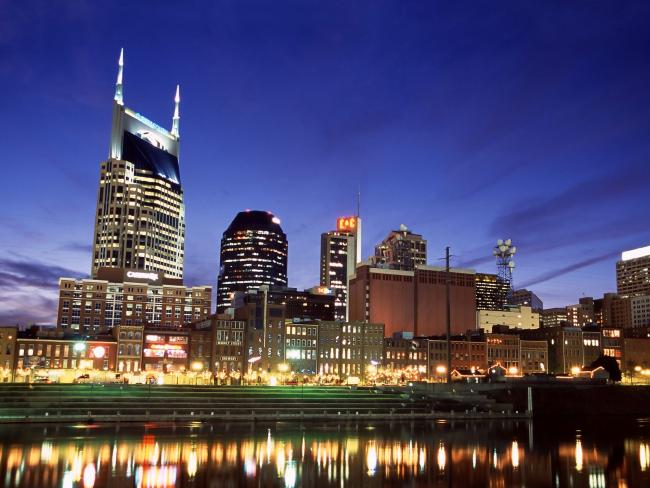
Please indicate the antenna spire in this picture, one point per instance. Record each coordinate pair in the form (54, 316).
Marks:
(176, 119)
(359, 201)
(118, 85)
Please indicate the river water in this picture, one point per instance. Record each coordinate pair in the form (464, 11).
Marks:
(579, 453)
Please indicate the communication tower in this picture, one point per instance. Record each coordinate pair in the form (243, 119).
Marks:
(504, 251)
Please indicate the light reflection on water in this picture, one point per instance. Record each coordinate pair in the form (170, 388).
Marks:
(417, 454)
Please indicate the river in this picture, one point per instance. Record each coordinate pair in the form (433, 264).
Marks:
(577, 453)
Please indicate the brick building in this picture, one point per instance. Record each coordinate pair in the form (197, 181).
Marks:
(413, 301)
(126, 297)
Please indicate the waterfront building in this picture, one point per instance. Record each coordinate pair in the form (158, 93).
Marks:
(405, 353)
(48, 354)
(301, 347)
(218, 345)
(565, 347)
(253, 253)
(265, 329)
(636, 355)
(633, 272)
(340, 251)
(129, 347)
(592, 344)
(140, 216)
(165, 351)
(521, 317)
(491, 292)
(468, 353)
(413, 301)
(349, 349)
(527, 298)
(534, 356)
(8, 337)
(612, 342)
(120, 296)
(401, 250)
(504, 350)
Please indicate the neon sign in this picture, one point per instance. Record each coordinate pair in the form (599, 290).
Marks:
(346, 223)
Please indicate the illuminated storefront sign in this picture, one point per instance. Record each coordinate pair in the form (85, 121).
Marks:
(177, 340)
(346, 223)
(166, 347)
(141, 275)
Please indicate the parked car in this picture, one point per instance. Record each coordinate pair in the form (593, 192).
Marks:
(84, 378)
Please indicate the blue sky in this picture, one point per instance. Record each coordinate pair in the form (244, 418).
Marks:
(467, 121)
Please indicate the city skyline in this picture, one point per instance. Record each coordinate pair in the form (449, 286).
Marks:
(571, 208)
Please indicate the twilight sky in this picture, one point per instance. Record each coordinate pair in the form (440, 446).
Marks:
(468, 121)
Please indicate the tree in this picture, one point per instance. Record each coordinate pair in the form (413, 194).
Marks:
(610, 365)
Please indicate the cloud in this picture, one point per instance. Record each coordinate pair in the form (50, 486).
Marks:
(26, 306)
(21, 273)
(537, 216)
(549, 275)
(76, 246)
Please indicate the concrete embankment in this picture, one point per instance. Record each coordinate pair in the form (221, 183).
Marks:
(563, 400)
(133, 403)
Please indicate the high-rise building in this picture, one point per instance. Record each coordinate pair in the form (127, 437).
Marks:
(527, 298)
(491, 292)
(402, 250)
(413, 301)
(253, 253)
(340, 251)
(633, 272)
(140, 217)
(581, 313)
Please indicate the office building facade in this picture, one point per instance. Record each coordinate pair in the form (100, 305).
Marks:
(528, 299)
(491, 292)
(129, 297)
(340, 251)
(401, 250)
(253, 253)
(140, 216)
(633, 272)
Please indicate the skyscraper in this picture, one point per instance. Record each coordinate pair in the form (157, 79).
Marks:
(402, 250)
(491, 292)
(340, 250)
(140, 218)
(527, 297)
(633, 272)
(253, 253)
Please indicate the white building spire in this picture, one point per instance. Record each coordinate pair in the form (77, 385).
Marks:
(118, 85)
(176, 119)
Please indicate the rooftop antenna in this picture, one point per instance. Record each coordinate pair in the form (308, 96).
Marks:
(118, 84)
(177, 117)
(359, 201)
(503, 252)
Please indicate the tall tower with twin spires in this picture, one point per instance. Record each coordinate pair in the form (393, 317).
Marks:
(140, 218)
